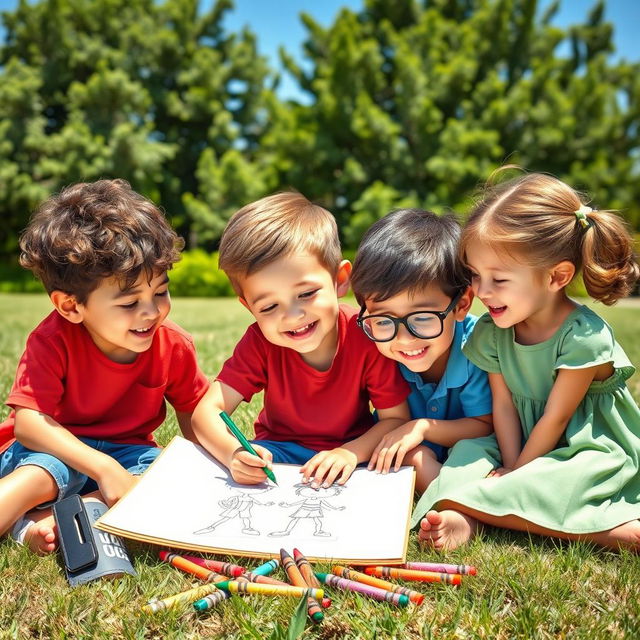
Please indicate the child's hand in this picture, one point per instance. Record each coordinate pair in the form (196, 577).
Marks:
(327, 467)
(249, 469)
(499, 472)
(396, 444)
(115, 482)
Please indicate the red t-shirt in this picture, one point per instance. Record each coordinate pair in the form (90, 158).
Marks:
(316, 409)
(63, 374)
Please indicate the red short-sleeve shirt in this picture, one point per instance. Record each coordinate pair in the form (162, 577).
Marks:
(64, 375)
(316, 409)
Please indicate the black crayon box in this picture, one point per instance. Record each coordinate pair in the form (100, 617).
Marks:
(87, 552)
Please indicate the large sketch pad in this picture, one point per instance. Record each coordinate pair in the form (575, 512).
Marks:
(187, 499)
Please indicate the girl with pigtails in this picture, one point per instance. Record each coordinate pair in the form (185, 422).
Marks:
(565, 457)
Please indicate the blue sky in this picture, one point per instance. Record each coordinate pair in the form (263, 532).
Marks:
(278, 23)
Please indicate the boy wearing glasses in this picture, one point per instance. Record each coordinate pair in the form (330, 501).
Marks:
(318, 371)
(415, 299)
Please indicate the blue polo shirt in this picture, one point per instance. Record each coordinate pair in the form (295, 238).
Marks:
(463, 391)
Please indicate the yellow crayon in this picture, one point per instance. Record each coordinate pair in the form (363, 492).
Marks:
(186, 597)
(269, 589)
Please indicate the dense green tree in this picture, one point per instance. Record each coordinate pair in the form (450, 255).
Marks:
(418, 102)
(156, 93)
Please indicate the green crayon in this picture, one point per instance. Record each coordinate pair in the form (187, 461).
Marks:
(246, 445)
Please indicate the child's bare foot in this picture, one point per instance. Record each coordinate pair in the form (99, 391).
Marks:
(626, 536)
(41, 538)
(447, 529)
(38, 532)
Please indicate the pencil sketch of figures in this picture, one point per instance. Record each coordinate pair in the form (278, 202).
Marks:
(238, 507)
(310, 507)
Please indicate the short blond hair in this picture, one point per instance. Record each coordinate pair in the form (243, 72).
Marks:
(534, 216)
(273, 227)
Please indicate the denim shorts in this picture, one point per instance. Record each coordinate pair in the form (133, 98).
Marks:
(135, 458)
(286, 452)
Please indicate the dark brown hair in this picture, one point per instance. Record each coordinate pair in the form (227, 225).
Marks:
(96, 230)
(534, 217)
(408, 250)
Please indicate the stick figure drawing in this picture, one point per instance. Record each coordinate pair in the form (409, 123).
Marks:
(238, 507)
(311, 506)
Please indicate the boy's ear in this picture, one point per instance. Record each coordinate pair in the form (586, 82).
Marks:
(244, 303)
(67, 306)
(561, 275)
(343, 278)
(464, 305)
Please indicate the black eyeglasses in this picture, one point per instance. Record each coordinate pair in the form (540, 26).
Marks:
(421, 324)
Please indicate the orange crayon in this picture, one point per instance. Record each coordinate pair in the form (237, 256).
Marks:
(307, 573)
(191, 567)
(350, 574)
(415, 576)
(294, 575)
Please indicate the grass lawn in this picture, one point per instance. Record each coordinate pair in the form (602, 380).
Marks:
(526, 587)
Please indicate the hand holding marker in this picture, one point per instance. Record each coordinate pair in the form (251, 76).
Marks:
(246, 445)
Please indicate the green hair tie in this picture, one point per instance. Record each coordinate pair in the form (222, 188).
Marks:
(581, 215)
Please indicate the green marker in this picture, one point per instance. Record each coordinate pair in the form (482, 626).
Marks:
(244, 442)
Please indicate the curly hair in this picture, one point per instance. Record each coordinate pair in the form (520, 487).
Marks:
(97, 230)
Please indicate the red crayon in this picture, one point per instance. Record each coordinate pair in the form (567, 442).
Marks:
(294, 575)
(309, 577)
(191, 567)
(225, 568)
(463, 569)
(416, 576)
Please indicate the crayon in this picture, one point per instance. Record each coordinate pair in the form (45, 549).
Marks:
(246, 445)
(307, 573)
(267, 568)
(185, 597)
(211, 600)
(463, 569)
(269, 589)
(225, 568)
(398, 599)
(296, 579)
(416, 576)
(256, 577)
(191, 567)
(350, 574)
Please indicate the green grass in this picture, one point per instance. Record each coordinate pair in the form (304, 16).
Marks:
(525, 587)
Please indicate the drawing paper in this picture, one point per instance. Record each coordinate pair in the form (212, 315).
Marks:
(187, 499)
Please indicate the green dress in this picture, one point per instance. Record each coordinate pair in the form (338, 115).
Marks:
(591, 481)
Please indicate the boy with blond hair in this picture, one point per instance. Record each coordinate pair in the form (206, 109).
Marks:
(317, 369)
(92, 383)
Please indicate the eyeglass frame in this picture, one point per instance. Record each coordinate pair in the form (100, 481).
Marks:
(441, 315)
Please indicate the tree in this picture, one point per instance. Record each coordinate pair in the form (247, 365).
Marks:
(134, 89)
(417, 103)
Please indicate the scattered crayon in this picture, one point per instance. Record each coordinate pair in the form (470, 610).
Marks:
(350, 574)
(191, 567)
(463, 569)
(211, 600)
(416, 576)
(185, 597)
(253, 577)
(307, 573)
(398, 599)
(269, 589)
(267, 568)
(296, 579)
(225, 568)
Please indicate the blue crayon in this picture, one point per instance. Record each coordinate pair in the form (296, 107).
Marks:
(267, 568)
